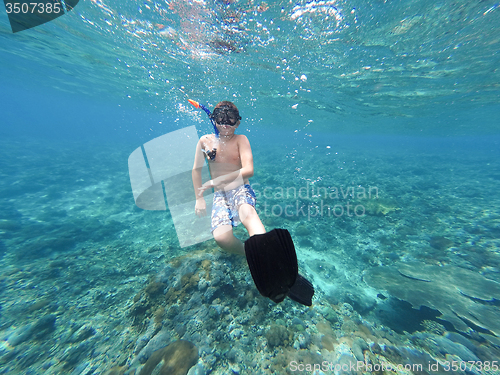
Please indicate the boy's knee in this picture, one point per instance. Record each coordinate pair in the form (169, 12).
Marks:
(247, 211)
(221, 240)
(250, 219)
(223, 236)
(227, 241)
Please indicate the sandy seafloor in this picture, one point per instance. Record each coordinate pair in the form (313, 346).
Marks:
(90, 284)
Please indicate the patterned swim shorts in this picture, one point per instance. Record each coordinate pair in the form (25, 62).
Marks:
(226, 204)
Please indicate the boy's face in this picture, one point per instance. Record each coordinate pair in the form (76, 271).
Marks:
(226, 118)
(227, 130)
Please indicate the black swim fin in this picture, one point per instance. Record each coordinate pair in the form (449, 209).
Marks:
(302, 291)
(273, 264)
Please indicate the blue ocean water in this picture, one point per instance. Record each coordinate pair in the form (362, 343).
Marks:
(375, 132)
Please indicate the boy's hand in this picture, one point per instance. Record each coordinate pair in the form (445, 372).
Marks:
(227, 181)
(212, 184)
(200, 208)
(205, 186)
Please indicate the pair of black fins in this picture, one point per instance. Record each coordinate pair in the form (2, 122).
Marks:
(273, 264)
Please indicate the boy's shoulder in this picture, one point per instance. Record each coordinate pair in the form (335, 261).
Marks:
(241, 137)
(206, 138)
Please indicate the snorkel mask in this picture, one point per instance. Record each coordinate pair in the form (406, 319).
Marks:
(225, 115)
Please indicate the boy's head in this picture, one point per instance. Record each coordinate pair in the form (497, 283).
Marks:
(226, 113)
(226, 103)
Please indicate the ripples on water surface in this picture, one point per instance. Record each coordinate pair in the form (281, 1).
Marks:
(322, 59)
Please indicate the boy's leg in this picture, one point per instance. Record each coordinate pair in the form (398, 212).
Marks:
(250, 219)
(225, 238)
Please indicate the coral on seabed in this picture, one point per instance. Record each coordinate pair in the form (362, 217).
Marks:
(278, 335)
(379, 207)
(175, 359)
(460, 295)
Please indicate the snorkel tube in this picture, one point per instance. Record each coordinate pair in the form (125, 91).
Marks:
(198, 105)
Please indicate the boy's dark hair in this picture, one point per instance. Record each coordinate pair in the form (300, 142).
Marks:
(228, 104)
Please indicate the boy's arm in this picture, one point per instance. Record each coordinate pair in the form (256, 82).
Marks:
(246, 158)
(196, 172)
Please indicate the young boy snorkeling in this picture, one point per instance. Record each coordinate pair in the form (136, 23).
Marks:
(271, 256)
(230, 160)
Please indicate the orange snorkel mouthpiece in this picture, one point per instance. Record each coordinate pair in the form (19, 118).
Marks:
(196, 104)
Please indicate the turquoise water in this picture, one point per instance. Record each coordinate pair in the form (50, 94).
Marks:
(375, 134)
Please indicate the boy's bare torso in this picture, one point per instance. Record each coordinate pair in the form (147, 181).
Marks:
(228, 157)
